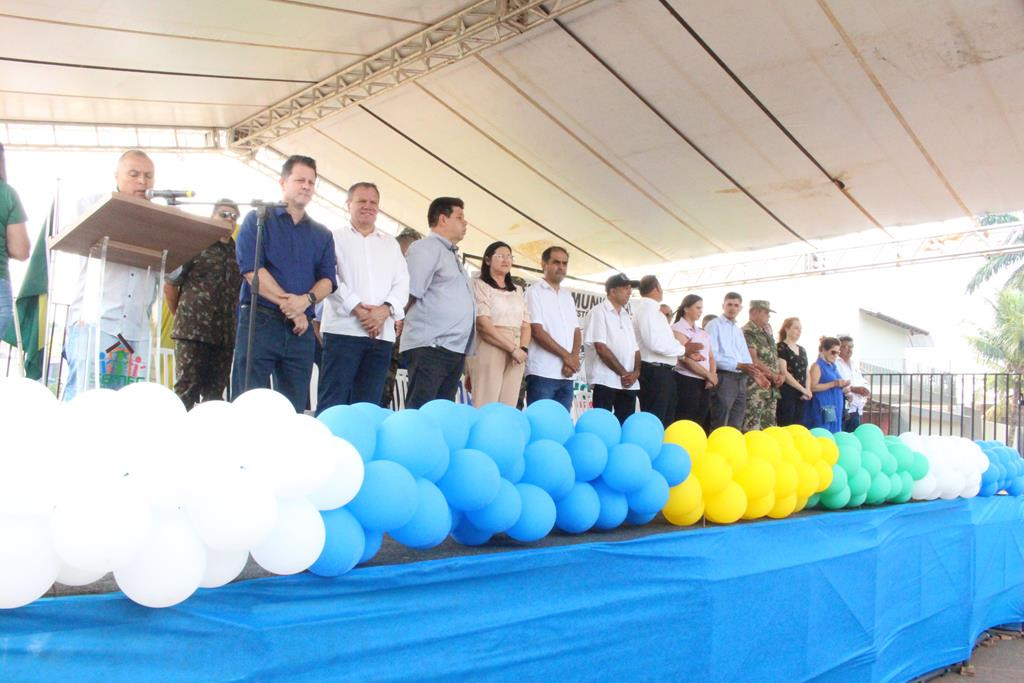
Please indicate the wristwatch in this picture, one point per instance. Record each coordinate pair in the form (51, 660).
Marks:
(312, 298)
(525, 350)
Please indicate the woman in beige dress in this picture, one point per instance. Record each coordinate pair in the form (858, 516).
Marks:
(502, 331)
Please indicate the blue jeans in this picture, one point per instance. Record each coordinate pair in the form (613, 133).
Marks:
(353, 370)
(276, 352)
(538, 388)
(6, 307)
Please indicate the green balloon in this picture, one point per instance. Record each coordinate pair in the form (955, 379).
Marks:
(849, 459)
(920, 467)
(870, 432)
(847, 440)
(834, 501)
(821, 431)
(907, 489)
(859, 483)
(812, 501)
(904, 456)
(857, 501)
(895, 487)
(888, 462)
(870, 461)
(839, 480)
(879, 489)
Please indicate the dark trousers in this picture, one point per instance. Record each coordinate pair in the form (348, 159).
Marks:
(851, 422)
(353, 370)
(692, 399)
(729, 400)
(622, 402)
(539, 388)
(276, 352)
(202, 371)
(434, 372)
(790, 409)
(658, 391)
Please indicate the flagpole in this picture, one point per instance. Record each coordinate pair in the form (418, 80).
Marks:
(20, 372)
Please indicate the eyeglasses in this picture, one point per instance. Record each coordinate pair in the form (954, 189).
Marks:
(228, 215)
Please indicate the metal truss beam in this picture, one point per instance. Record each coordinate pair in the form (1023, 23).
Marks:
(988, 241)
(481, 25)
(93, 137)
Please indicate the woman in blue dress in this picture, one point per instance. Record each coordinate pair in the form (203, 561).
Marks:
(826, 407)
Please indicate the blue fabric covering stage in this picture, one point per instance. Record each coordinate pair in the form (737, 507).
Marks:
(883, 594)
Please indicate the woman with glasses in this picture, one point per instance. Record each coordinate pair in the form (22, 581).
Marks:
(502, 331)
(825, 408)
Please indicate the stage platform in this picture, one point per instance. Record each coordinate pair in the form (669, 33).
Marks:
(881, 594)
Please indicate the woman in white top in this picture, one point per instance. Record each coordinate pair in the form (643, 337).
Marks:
(694, 379)
(502, 331)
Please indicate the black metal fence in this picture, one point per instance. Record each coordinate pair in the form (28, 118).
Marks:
(974, 405)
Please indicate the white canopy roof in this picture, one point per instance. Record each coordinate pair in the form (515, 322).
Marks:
(614, 131)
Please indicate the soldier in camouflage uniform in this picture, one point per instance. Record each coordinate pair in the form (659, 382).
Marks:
(405, 238)
(761, 403)
(203, 296)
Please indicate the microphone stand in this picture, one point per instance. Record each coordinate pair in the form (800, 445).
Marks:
(261, 221)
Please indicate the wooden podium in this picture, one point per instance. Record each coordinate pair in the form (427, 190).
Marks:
(134, 232)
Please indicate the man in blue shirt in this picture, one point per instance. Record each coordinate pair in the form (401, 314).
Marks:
(297, 267)
(732, 357)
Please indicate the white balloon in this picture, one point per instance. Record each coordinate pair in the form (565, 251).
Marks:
(101, 527)
(223, 568)
(232, 510)
(73, 576)
(342, 484)
(296, 541)
(28, 564)
(23, 396)
(168, 567)
(297, 461)
(951, 484)
(924, 487)
(267, 404)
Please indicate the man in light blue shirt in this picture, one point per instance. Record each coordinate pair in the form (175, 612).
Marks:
(732, 356)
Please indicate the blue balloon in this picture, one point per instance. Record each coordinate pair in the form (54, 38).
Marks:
(517, 470)
(454, 422)
(674, 463)
(651, 497)
(500, 437)
(589, 455)
(549, 420)
(511, 414)
(1016, 486)
(387, 499)
(640, 518)
(537, 517)
(646, 431)
(614, 506)
(467, 534)
(577, 511)
(501, 513)
(344, 544)
(415, 441)
(548, 465)
(431, 522)
(456, 516)
(601, 423)
(628, 468)
(468, 412)
(351, 424)
(472, 480)
(988, 489)
(374, 413)
(373, 543)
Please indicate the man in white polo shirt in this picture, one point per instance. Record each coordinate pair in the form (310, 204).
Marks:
(612, 354)
(554, 357)
(361, 317)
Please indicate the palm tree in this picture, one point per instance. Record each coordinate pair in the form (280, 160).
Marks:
(1000, 262)
(1002, 347)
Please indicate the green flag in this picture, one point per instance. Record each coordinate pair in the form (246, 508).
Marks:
(31, 306)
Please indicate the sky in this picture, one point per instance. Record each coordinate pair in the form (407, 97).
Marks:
(931, 297)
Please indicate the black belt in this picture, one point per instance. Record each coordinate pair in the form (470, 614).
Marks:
(270, 312)
(658, 365)
(729, 372)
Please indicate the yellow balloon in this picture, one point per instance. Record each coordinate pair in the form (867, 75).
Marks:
(691, 517)
(780, 435)
(824, 475)
(756, 478)
(829, 449)
(728, 506)
(783, 507)
(690, 436)
(713, 472)
(728, 442)
(808, 446)
(801, 503)
(792, 456)
(759, 507)
(807, 480)
(683, 499)
(763, 446)
(786, 480)
(796, 431)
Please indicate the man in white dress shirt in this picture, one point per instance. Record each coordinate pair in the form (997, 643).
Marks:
(856, 392)
(554, 357)
(612, 354)
(361, 318)
(660, 351)
(128, 294)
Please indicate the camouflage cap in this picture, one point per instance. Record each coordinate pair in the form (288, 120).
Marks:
(409, 234)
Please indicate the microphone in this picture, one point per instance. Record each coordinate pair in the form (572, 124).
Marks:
(260, 204)
(169, 194)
